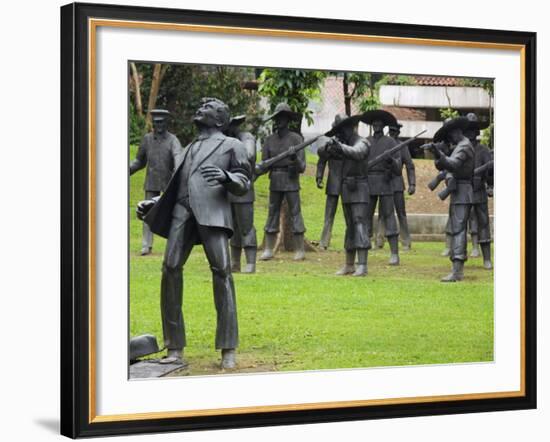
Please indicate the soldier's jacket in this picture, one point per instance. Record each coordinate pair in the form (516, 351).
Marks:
(381, 175)
(461, 165)
(482, 156)
(285, 175)
(334, 178)
(250, 144)
(355, 184)
(158, 153)
(405, 159)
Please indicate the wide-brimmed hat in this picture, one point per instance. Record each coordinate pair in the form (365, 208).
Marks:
(237, 120)
(341, 120)
(449, 125)
(397, 126)
(159, 114)
(284, 108)
(371, 116)
(475, 123)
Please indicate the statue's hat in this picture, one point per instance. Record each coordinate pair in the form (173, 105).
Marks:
(284, 108)
(396, 126)
(387, 118)
(449, 125)
(341, 120)
(143, 345)
(159, 114)
(475, 123)
(237, 120)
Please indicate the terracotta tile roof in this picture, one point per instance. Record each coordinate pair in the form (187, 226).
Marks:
(437, 81)
(406, 113)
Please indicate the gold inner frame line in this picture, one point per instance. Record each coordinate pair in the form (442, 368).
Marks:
(93, 24)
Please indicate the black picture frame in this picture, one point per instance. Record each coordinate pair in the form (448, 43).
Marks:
(75, 218)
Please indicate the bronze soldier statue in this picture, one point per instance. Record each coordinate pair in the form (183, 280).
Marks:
(284, 179)
(352, 150)
(156, 151)
(333, 189)
(380, 178)
(460, 165)
(195, 209)
(480, 208)
(398, 185)
(242, 207)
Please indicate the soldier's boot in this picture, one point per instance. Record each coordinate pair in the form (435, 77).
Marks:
(475, 246)
(228, 359)
(447, 250)
(457, 273)
(270, 239)
(145, 251)
(325, 237)
(394, 250)
(349, 266)
(250, 255)
(486, 251)
(405, 235)
(361, 270)
(299, 247)
(235, 259)
(379, 241)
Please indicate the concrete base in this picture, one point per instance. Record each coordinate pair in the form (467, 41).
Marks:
(152, 369)
(429, 226)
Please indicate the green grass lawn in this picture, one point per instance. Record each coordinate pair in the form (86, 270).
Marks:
(300, 316)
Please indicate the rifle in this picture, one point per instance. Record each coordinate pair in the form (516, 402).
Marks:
(391, 151)
(263, 166)
(450, 188)
(479, 170)
(432, 185)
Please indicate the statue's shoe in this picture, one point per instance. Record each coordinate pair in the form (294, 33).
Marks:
(361, 270)
(453, 277)
(487, 265)
(394, 259)
(446, 252)
(475, 253)
(299, 255)
(346, 270)
(267, 255)
(145, 251)
(228, 359)
(249, 268)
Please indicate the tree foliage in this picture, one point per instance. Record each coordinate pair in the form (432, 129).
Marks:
(183, 86)
(295, 87)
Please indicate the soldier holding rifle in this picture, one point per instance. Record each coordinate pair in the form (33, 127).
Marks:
(380, 178)
(480, 208)
(461, 164)
(284, 176)
(242, 206)
(352, 151)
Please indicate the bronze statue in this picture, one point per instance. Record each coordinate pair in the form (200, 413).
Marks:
(242, 207)
(459, 166)
(480, 208)
(156, 151)
(284, 178)
(398, 185)
(195, 209)
(380, 178)
(333, 189)
(352, 150)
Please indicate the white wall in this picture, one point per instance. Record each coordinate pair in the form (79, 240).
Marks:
(29, 313)
(434, 96)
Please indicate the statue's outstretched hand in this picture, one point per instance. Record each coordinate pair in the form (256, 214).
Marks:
(213, 175)
(143, 208)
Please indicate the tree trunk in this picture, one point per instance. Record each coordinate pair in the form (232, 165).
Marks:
(135, 77)
(155, 86)
(347, 96)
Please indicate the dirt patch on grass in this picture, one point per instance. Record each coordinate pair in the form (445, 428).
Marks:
(246, 363)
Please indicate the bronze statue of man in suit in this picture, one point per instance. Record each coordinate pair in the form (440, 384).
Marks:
(157, 151)
(195, 209)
